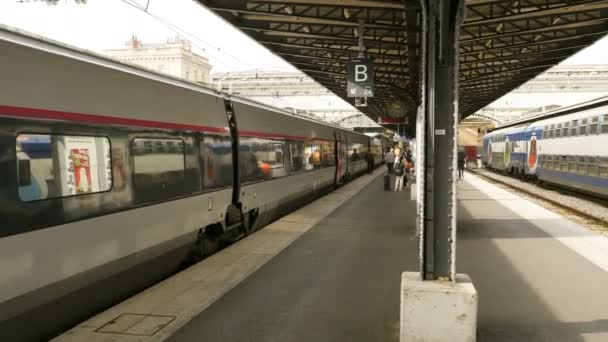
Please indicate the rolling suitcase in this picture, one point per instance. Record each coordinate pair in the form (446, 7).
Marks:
(387, 182)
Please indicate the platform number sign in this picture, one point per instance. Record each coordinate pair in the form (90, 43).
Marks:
(360, 78)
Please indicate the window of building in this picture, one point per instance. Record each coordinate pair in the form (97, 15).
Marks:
(558, 131)
(158, 168)
(50, 166)
(565, 129)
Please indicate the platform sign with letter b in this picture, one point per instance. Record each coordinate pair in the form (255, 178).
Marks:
(360, 81)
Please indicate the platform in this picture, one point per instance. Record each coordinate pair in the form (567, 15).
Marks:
(539, 280)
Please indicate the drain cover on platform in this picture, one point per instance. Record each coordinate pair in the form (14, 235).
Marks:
(136, 324)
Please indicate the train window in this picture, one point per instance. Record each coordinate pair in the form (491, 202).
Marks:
(158, 168)
(356, 152)
(50, 166)
(591, 166)
(603, 167)
(327, 158)
(260, 159)
(573, 128)
(216, 154)
(556, 163)
(296, 158)
(593, 125)
(563, 163)
(604, 127)
(581, 165)
(545, 160)
(583, 128)
(312, 155)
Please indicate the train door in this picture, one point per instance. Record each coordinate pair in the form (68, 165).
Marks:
(341, 161)
(338, 158)
(345, 161)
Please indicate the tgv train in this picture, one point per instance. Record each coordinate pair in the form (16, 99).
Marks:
(568, 147)
(113, 175)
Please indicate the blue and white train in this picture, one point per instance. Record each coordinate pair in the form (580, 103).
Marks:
(567, 147)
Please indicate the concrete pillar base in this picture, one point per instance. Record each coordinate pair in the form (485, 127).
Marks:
(437, 311)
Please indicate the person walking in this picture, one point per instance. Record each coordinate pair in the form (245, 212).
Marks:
(399, 170)
(370, 161)
(462, 159)
(389, 159)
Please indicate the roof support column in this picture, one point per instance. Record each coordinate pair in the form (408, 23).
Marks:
(437, 304)
(439, 108)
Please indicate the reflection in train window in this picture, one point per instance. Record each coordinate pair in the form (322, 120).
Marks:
(158, 168)
(51, 166)
(327, 157)
(216, 154)
(261, 159)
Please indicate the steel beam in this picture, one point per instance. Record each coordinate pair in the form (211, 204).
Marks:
(441, 22)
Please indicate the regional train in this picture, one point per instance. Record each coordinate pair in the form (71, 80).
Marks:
(114, 175)
(567, 147)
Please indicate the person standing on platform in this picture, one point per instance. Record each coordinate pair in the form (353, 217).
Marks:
(399, 169)
(462, 159)
(389, 159)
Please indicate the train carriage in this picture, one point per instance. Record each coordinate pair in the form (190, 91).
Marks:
(114, 175)
(566, 147)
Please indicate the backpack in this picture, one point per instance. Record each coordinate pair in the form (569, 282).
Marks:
(399, 168)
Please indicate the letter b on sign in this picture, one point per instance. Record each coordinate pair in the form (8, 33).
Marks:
(360, 78)
(360, 73)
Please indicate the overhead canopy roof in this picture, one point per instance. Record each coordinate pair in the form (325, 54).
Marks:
(503, 43)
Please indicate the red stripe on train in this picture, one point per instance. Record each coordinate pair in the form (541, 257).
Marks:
(47, 114)
(100, 119)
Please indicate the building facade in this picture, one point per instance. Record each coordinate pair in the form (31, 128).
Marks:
(174, 58)
(294, 92)
(562, 85)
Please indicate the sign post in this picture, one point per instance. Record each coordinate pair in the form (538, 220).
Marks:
(360, 80)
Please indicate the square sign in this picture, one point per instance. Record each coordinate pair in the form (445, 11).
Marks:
(360, 79)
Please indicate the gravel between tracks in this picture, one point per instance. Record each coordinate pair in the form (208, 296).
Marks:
(593, 215)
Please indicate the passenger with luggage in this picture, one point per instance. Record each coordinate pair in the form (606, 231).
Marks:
(399, 170)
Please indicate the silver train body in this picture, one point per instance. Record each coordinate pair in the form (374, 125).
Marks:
(113, 175)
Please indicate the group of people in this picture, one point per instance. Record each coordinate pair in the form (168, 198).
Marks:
(399, 163)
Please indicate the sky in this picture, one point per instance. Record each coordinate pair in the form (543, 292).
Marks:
(108, 24)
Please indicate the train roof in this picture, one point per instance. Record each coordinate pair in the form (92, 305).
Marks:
(17, 36)
(591, 104)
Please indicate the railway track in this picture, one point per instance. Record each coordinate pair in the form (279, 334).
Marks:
(590, 211)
